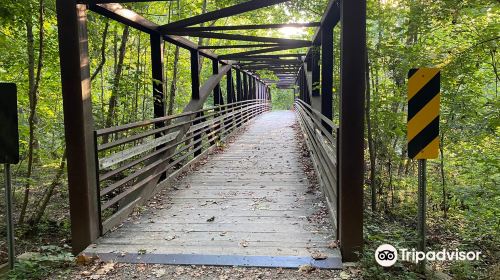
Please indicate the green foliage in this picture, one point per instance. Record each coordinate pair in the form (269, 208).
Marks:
(463, 270)
(460, 37)
(41, 265)
(282, 99)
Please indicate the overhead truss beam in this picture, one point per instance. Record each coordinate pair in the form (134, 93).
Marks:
(213, 35)
(249, 27)
(238, 46)
(222, 13)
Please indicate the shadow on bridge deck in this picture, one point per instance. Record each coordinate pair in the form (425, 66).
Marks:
(248, 206)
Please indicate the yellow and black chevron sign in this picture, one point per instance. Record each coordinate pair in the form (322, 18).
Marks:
(423, 113)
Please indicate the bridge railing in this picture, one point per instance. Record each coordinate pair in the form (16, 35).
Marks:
(320, 135)
(132, 158)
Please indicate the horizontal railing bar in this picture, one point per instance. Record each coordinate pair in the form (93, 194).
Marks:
(132, 164)
(323, 164)
(124, 194)
(126, 140)
(318, 113)
(135, 175)
(105, 131)
(318, 123)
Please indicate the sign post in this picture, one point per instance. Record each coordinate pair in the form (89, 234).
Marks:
(9, 154)
(423, 133)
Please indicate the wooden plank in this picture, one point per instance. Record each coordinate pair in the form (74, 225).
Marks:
(215, 250)
(208, 236)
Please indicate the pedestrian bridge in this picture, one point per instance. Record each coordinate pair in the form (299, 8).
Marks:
(227, 181)
(249, 202)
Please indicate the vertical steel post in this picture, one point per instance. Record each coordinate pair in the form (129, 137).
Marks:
(217, 92)
(327, 71)
(78, 122)
(352, 97)
(421, 227)
(230, 90)
(195, 75)
(195, 94)
(8, 216)
(198, 146)
(159, 108)
(157, 46)
(245, 86)
(239, 90)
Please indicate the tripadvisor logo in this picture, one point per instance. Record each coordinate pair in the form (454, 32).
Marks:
(386, 255)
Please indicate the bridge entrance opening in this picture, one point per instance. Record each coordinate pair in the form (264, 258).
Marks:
(147, 192)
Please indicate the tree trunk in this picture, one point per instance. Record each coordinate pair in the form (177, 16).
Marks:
(137, 78)
(371, 151)
(40, 210)
(34, 82)
(103, 52)
(113, 101)
(173, 86)
(443, 178)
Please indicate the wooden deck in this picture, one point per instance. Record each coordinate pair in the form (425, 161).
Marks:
(248, 205)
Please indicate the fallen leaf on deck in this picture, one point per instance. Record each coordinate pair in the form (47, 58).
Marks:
(306, 268)
(170, 237)
(84, 260)
(159, 272)
(344, 275)
(105, 269)
(333, 245)
(319, 256)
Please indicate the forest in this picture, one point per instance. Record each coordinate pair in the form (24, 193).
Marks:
(459, 37)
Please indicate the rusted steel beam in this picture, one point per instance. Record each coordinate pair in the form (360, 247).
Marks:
(157, 47)
(78, 123)
(238, 46)
(315, 71)
(245, 86)
(195, 75)
(268, 56)
(239, 89)
(229, 87)
(247, 53)
(238, 37)
(351, 150)
(117, 1)
(134, 20)
(271, 63)
(217, 92)
(249, 27)
(331, 17)
(327, 72)
(222, 13)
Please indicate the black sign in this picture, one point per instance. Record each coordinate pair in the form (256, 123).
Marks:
(9, 135)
